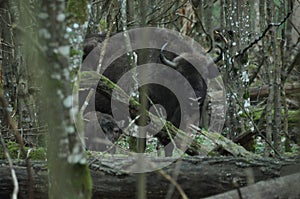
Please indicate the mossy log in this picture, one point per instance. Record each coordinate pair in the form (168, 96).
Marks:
(197, 176)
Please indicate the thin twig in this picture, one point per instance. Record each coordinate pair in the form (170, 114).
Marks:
(242, 52)
(170, 179)
(204, 31)
(253, 123)
(175, 175)
(11, 124)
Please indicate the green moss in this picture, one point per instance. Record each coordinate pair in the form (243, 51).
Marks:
(102, 24)
(108, 82)
(38, 154)
(13, 148)
(82, 179)
(15, 153)
(292, 115)
(77, 9)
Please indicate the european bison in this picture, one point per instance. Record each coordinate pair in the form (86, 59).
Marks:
(157, 93)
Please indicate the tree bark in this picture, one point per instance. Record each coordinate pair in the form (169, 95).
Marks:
(198, 176)
(69, 176)
(263, 91)
(284, 187)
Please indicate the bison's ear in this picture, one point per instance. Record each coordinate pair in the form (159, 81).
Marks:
(91, 41)
(88, 47)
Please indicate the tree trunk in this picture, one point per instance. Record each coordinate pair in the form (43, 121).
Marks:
(69, 176)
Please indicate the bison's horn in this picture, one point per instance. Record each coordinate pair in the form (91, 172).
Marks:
(164, 60)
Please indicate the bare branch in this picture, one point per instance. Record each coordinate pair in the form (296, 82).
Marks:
(242, 52)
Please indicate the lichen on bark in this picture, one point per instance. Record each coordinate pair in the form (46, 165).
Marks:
(77, 9)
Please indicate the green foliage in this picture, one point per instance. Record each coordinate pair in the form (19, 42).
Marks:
(292, 115)
(259, 146)
(246, 95)
(199, 138)
(295, 150)
(13, 149)
(277, 3)
(123, 143)
(77, 9)
(152, 146)
(103, 24)
(243, 115)
(38, 153)
(291, 149)
(74, 52)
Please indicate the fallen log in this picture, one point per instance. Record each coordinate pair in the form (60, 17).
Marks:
(263, 91)
(283, 187)
(197, 176)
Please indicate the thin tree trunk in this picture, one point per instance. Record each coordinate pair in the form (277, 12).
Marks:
(9, 69)
(277, 85)
(69, 176)
(270, 102)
